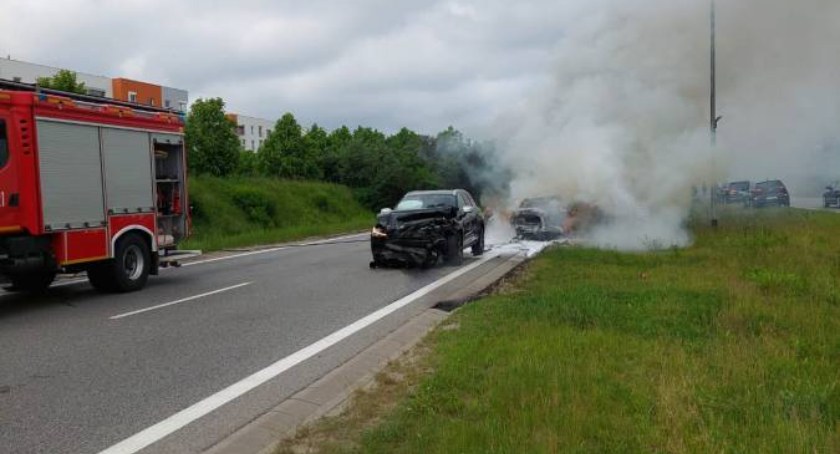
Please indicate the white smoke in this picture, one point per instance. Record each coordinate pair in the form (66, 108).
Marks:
(625, 124)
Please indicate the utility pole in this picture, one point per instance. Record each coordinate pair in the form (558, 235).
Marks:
(713, 116)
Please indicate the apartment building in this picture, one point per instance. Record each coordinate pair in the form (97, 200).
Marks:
(119, 88)
(252, 131)
(21, 71)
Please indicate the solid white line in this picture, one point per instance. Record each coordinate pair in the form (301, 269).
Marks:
(182, 300)
(234, 256)
(265, 251)
(177, 421)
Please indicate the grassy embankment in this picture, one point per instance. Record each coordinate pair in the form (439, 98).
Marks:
(235, 212)
(732, 345)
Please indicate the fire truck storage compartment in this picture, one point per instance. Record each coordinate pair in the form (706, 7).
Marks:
(71, 175)
(169, 178)
(127, 160)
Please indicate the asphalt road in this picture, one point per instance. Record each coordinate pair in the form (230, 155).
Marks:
(81, 371)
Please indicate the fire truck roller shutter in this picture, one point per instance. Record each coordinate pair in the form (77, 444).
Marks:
(71, 175)
(128, 171)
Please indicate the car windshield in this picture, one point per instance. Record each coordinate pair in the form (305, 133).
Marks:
(422, 201)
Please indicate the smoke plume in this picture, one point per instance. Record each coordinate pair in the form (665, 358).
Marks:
(625, 122)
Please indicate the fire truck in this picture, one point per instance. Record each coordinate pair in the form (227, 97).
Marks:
(89, 185)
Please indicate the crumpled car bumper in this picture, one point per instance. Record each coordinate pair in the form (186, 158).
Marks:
(404, 252)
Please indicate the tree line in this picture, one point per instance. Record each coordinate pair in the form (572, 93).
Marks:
(379, 168)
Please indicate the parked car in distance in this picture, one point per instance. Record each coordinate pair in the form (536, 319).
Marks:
(736, 192)
(426, 226)
(831, 197)
(770, 193)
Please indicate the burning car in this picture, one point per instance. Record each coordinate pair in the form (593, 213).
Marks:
(539, 218)
(426, 226)
(547, 218)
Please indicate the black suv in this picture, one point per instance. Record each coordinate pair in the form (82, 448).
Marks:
(427, 225)
(770, 193)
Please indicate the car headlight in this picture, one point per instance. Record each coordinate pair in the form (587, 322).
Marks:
(378, 232)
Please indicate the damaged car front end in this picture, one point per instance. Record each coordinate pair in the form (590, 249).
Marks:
(425, 227)
(416, 238)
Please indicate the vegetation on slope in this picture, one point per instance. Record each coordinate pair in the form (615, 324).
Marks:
(235, 212)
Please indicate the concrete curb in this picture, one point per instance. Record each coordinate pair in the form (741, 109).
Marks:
(328, 394)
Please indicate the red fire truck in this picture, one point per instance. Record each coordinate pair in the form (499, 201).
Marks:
(89, 184)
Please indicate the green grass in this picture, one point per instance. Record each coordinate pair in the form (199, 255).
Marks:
(237, 212)
(732, 345)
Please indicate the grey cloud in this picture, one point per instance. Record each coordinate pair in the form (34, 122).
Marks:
(381, 63)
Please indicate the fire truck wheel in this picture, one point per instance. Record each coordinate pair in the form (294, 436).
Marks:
(34, 282)
(127, 271)
(100, 276)
(132, 262)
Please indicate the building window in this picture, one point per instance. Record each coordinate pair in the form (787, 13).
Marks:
(151, 101)
(182, 106)
(167, 103)
(132, 96)
(252, 130)
(243, 143)
(96, 92)
(240, 131)
(260, 130)
(252, 144)
(267, 132)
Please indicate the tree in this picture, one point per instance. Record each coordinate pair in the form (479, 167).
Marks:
(316, 142)
(285, 153)
(248, 165)
(334, 153)
(63, 80)
(213, 145)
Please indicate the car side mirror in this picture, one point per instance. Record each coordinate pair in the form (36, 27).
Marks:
(468, 209)
(385, 211)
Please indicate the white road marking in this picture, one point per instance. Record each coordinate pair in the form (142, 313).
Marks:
(266, 251)
(230, 257)
(234, 256)
(177, 421)
(182, 300)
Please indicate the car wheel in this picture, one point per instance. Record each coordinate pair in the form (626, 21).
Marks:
(455, 249)
(128, 271)
(34, 282)
(478, 246)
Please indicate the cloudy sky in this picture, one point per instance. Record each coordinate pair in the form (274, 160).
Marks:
(379, 63)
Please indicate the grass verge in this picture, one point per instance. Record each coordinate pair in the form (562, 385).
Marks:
(238, 212)
(732, 345)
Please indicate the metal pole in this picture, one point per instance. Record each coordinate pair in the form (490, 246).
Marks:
(713, 105)
(713, 85)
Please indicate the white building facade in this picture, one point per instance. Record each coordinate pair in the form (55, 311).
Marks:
(252, 131)
(21, 71)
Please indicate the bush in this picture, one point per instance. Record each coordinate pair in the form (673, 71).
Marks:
(258, 207)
